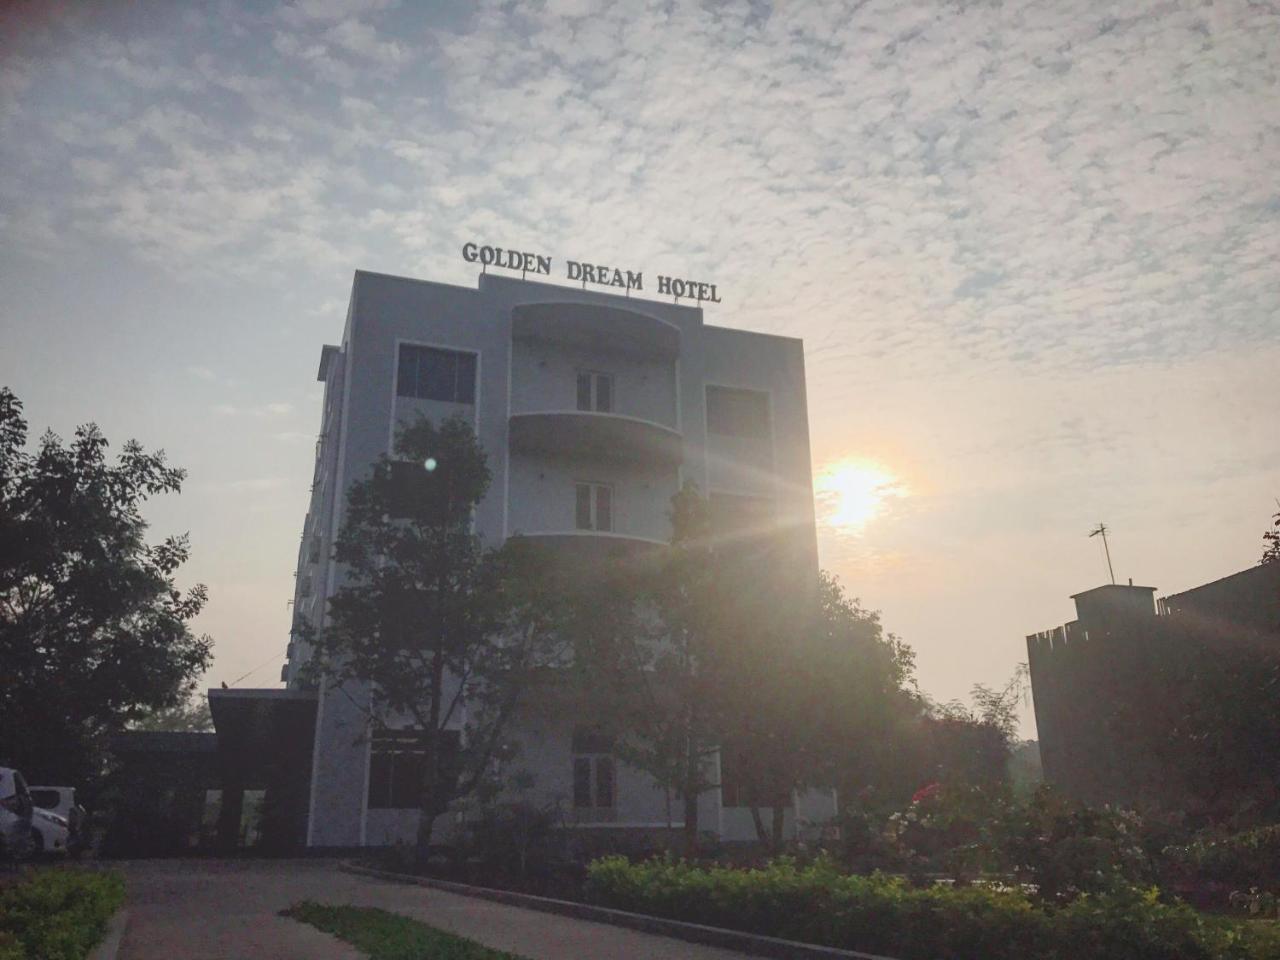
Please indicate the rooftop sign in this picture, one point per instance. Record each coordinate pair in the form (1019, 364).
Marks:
(580, 271)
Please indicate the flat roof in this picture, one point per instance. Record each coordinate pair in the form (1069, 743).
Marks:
(1257, 570)
(1111, 586)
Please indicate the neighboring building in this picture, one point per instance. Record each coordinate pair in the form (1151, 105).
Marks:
(592, 409)
(1083, 749)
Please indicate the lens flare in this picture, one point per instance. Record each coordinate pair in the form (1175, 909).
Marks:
(430, 464)
(851, 493)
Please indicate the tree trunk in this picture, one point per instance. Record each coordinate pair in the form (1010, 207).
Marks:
(691, 800)
(426, 823)
(758, 820)
(778, 822)
(690, 820)
(430, 799)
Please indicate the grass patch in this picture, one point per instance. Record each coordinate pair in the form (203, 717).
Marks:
(389, 936)
(57, 914)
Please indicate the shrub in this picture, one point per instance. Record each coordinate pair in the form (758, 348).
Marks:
(57, 914)
(517, 838)
(1246, 859)
(884, 915)
(1066, 849)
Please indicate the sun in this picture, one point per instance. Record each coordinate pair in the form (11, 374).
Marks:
(851, 493)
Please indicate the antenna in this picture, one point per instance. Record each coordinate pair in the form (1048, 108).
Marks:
(1102, 532)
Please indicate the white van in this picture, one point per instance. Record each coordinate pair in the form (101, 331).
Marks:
(19, 837)
(60, 802)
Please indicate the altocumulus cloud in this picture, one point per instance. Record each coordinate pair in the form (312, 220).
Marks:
(1031, 246)
(1040, 183)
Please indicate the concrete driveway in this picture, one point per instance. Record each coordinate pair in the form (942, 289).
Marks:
(227, 910)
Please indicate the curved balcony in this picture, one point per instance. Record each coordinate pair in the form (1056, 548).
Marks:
(595, 436)
(593, 548)
(597, 328)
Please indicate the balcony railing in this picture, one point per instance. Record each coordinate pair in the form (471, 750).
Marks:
(597, 328)
(595, 436)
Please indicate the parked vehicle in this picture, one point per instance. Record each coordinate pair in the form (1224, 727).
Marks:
(50, 834)
(18, 835)
(61, 801)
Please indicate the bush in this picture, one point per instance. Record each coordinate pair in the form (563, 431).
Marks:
(57, 914)
(1245, 859)
(1065, 848)
(520, 839)
(879, 914)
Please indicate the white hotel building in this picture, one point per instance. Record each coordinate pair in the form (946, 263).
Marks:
(593, 408)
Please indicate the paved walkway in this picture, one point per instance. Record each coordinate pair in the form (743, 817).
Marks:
(227, 910)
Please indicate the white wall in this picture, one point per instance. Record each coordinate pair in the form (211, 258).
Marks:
(544, 377)
(542, 495)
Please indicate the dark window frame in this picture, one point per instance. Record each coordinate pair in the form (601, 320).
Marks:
(437, 373)
(593, 490)
(738, 412)
(593, 380)
(395, 767)
(595, 771)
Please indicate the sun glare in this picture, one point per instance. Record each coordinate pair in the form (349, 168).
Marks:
(852, 493)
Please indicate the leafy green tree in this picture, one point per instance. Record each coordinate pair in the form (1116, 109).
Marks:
(815, 689)
(190, 716)
(93, 631)
(652, 644)
(669, 662)
(431, 632)
(1271, 552)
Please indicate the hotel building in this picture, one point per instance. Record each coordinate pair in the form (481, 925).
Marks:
(593, 409)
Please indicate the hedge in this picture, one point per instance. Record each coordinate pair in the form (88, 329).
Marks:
(1245, 859)
(885, 915)
(57, 914)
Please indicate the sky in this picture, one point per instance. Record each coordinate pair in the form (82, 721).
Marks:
(1033, 249)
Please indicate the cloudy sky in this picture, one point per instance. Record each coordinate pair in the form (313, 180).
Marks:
(1032, 248)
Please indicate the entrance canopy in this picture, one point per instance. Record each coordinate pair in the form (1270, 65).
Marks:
(262, 731)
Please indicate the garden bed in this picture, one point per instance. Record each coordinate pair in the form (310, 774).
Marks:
(878, 914)
(57, 914)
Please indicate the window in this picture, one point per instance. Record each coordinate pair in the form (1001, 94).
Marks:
(739, 784)
(396, 767)
(595, 391)
(742, 520)
(45, 799)
(429, 496)
(429, 373)
(594, 506)
(593, 771)
(737, 413)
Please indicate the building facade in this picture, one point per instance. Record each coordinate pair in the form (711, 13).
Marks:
(593, 409)
(1122, 631)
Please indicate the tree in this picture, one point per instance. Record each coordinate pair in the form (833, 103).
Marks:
(972, 745)
(93, 631)
(190, 716)
(815, 688)
(729, 644)
(674, 734)
(1271, 552)
(649, 644)
(874, 709)
(430, 627)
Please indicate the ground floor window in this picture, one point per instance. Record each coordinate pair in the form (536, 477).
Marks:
(396, 766)
(594, 771)
(736, 788)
